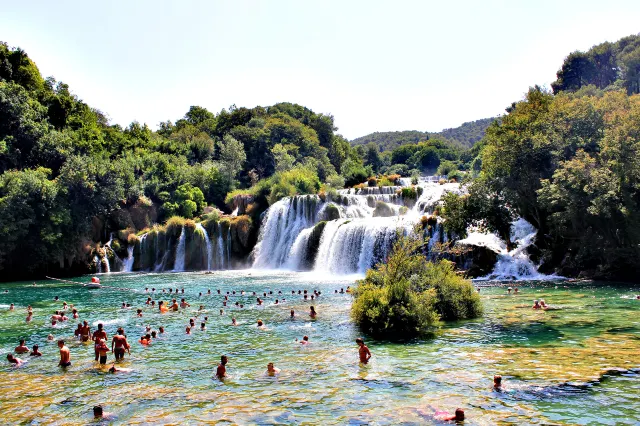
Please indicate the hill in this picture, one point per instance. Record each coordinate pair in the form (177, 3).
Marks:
(466, 135)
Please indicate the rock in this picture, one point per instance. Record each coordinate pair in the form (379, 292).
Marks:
(382, 210)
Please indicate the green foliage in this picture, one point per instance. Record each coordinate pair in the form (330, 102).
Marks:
(607, 66)
(406, 296)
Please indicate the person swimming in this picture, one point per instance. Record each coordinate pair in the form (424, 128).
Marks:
(536, 305)
(497, 382)
(188, 330)
(35, 351)
(293, 314)
(21, 348)
(305, 340)
(221, 371)
(312, 312)
(29, 316)
(17, 362)
(271, 370)
(233, 321)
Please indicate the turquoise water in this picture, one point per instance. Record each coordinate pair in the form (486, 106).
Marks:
(596, 329)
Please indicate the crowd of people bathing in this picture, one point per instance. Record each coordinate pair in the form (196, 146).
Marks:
(120, 345)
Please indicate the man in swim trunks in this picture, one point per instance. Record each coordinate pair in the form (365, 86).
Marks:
(21, 348)
(65, 355)
(85, 332)
(363, 351)
(221, 371)
(119, 344)
(184, 304)
(98, 335)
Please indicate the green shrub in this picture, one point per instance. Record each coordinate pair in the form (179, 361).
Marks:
(407, 296)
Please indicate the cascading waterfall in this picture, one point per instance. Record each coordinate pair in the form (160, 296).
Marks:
(128, 262)
(220, 251)
(354, 237)
(180, 252)
(98, 264)
(514, 264)
(200, 228)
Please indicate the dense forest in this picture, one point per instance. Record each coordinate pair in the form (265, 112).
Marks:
(464, 136)
(607, 66)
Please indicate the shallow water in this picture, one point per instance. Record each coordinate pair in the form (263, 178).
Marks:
(596, 329)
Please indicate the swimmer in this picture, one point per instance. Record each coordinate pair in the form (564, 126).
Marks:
(233, 321)
(184, 304)
(29, 316)
(64, 306)
(305, 340)
(65, 355)
(146, 339)
(203, 326)
(119, 344)
(305, 297)
(271, 370)
(154, 334)
(114, 370)
(75, 314)
(218, 291)
(98, 335)
(35, 351)
(259, 301)
(56, 298)
(221, 312)
(221, 371)
(11, 307)
(444, 416)
(341, 291)
(148, 302)
(188, 330)
(363, 351)
(543, 304)
(161, 330)
(21, 348)
(497, 382)
(312, 311)
(348, 289)
(509, 290)
(17, 362)
(50, 337)
(312, 296)
(139, 313)
(103, 350)
(208, 291)
(174, 306)
(293, 314)
(29, 308)
(54, 323)
(515, 290)
(536, 305)
(261, 325)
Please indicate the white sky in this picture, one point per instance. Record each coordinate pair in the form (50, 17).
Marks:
(374, 65)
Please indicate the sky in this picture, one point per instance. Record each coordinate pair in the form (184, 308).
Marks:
(373, 65)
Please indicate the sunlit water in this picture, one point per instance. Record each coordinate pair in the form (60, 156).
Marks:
(538, 353)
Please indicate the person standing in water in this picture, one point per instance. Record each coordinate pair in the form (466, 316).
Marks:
(65, 355)
(85, 332)
(363, 351)
(119, 344)
(221, 371)
(98, 335)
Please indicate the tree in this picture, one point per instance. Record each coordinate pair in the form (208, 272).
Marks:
(232, 156)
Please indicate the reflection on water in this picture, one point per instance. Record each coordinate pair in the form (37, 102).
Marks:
(572, 365)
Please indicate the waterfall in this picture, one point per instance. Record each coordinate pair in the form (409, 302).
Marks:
(200, 228)
(220, 249)
(355, 236)
(514, 264)
(98, 263)
(128, 262)
(229, 248)
(180, 252)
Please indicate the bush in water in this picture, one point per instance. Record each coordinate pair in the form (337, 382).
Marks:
(407, 296)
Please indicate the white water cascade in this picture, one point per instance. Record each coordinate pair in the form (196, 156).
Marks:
(343, 234)
(180, 252)
(200, 228)
(514, 264)
(128, 262)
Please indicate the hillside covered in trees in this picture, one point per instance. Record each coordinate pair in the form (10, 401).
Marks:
(463, 136)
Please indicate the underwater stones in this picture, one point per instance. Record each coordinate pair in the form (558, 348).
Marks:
(382, 210)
